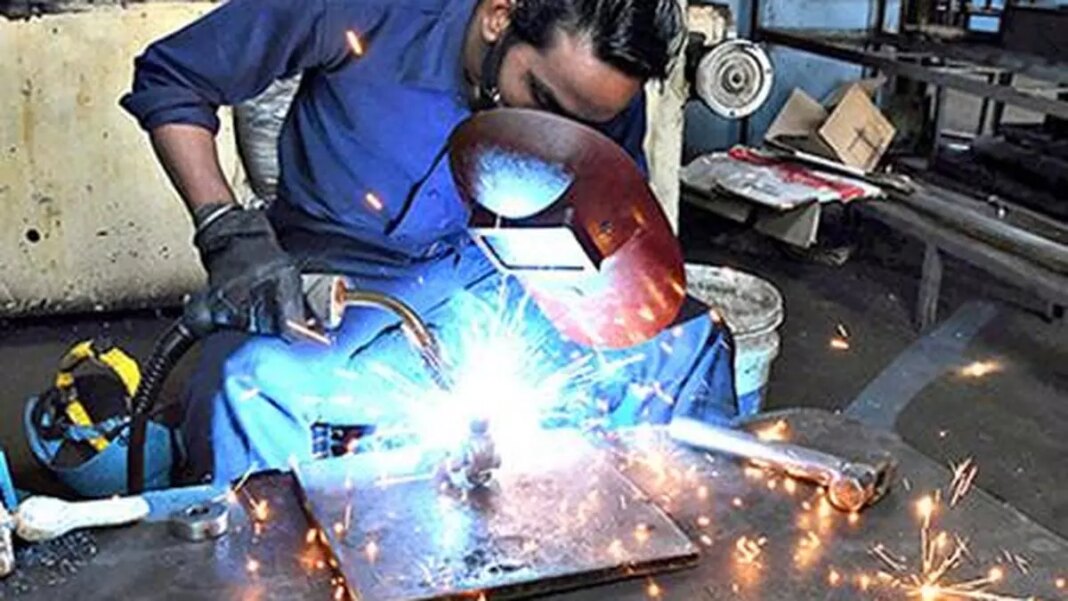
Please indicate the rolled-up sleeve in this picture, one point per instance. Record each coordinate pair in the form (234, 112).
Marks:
(228, 56)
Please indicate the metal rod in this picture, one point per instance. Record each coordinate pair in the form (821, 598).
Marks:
(848, 51)
(850, 486)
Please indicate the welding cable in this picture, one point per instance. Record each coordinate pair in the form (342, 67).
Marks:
(169, 349)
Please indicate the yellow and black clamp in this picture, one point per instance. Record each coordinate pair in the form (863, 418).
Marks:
(102, 353)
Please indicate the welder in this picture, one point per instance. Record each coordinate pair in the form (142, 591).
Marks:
(365, 189)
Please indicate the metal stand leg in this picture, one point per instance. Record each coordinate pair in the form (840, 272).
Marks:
(984, 108)
(939, 110)
(930, 286)
(1004, 79)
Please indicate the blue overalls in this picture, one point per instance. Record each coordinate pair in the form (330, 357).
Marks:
(365, 191)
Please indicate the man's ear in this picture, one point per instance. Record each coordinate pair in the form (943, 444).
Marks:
(494, 19)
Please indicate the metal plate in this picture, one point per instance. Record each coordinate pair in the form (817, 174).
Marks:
(557, 519)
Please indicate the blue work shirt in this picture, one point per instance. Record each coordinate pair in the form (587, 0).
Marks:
(362, 152)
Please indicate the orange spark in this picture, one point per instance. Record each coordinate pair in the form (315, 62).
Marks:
(371, 551)
(839, 344)
(702, 492)
(789, 485)
(753, 472)
(615, 549)
(777, 431)
(1060, 583)
(646, 313)
(354, 42)
(641, 533)
(339, 593)
(925, 507)
(260, 510)
(963, 476)
(653, 590)
(833, 577)
(854, 518)
(747, 550)
(252, 566)
(703, 521)
(736, 502)
(339, 528)
(374, 202)
(706, 540)
(310, 536)
(979, 369)
(995, 574)
(824, 510)
(864, 582)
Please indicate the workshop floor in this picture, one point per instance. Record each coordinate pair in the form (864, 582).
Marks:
(1013, 421)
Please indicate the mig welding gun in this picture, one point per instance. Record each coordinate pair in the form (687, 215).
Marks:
(553, 203)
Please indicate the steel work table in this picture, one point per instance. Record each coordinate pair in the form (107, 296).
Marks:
(713, 499)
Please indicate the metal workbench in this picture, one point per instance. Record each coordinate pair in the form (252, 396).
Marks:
(713, 499)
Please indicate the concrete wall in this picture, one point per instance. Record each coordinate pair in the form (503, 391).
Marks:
(88, 221)
(87, 218)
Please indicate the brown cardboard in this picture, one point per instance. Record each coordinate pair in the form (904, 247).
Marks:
(849, 129)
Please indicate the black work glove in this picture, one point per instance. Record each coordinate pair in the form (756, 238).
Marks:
(254, 285)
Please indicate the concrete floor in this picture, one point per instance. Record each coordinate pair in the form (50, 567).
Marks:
(1014, 422)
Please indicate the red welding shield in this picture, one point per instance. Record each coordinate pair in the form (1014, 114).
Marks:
(566, 211)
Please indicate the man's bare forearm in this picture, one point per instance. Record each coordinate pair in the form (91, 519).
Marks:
(190, 157)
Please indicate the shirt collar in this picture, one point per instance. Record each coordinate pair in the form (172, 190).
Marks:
(433, 61)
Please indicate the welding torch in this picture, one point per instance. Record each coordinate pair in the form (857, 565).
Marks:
(325, 296)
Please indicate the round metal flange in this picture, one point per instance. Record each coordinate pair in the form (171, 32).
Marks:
(734, 79)
(200, 521)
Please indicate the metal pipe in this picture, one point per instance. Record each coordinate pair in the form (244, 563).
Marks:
(850, 486)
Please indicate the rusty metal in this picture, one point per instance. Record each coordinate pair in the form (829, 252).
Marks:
(603, 200)
(557, 518)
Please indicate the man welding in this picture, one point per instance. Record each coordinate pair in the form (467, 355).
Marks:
(365, 189)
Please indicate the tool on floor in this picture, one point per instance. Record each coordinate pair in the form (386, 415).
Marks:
(850, 486)
(200, 521)
(326, 296)
(44, 518)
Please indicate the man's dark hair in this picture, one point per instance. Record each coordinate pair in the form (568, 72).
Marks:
(639, 37)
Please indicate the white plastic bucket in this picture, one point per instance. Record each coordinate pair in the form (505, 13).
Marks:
(753, 308)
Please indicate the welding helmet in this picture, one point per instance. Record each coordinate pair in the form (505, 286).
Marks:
(566, 211)
(78, 428)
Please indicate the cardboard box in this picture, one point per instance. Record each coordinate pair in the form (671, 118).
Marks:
(848, 128)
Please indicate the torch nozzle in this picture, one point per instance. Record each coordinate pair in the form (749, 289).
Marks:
(415, 329)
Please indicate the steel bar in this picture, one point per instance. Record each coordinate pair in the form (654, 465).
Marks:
(849, 51)
(1043, 251)
(850, 486)
(1005, 265)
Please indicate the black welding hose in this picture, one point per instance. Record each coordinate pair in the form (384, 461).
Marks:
(174, 343)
